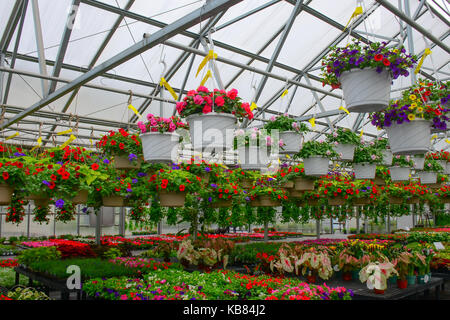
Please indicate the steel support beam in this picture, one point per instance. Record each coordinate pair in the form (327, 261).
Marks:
(11, 26)
(64, 42)
(413, 24)
(211, 8)
(40, 45)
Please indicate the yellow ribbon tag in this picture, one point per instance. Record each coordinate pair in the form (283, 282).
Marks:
(207, 76)
(425, 54)
(64, 132)
(434, 136)
(165, 84)
(134, 110)
(39, 141)
(343, 109)
(313, 122)
(288, 156)
(362, 132)
(211, 55)
(285, 93)
(448, 141)
(71, 139)
(12, 136)
(355, 13)
(253, 106)
(92, 142)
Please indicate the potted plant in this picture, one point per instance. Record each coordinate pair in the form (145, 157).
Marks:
(160, 142)
(266, 196)
(124, 147)
(382, 175)
(254, 148)
(444, 194)
(221, 195)
(312, 263)
(212, 115)
(401, 168)
(403, 264)
(405, 118)
(366, 192)
(344, 142)
(316, 157)
(365, 73)
(382, 145)
(365, 161)
(296, 175)
(397, 193)
(376, 275)
(430, 171)
(336, 192)
(442, 157)
(12, 175)
(172, 186)
(290, 133)
(347, 262)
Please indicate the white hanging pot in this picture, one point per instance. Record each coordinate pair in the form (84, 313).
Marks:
(366, 90)
(212, 130)
(364, 170)
(160, 147)
(400, 173)
(419, 162)
(316, 166)
(410, 138)
(443, 164)
(387, 157)
(427, 177)
(253, 158)
(292, 142)
(347, 151)
(447, 168)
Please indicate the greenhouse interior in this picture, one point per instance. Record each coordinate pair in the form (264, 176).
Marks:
(214, 150)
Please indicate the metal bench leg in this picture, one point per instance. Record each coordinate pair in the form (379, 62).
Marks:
(438, 289)
(30, 282)
(17, 278)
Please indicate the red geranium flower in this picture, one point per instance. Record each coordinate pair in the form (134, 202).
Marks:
(386, 62)
(378, 57)
(95, 166)
(5, 175)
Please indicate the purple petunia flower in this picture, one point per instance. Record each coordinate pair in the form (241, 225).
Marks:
(59, 203)
(134, 180)
(208, 169)
(106, 161)
(132, 157)
(46, 183)
(142, 174)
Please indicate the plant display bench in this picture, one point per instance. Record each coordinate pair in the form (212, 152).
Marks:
(51, 283)
(361, 292)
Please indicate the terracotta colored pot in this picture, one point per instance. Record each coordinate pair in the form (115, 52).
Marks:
(336, 201)
(303, 184)
(222, 204)
(5, 194)
(361, 201)
(402, 283)
(296, 194)
(122, 162)
(172, 199)
(81, 197)
(114, 201)
(378, 291)
(379, 181)
(347, 276)
(311, 279)
(266, 201)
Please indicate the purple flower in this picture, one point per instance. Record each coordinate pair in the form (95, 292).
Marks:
(213, 185)
(210, 199)
(46, 183)
(60, 162)
(142, 174)
(59, 203)
(134, 180)
(208, 169)
(132, 157)
(129, 190)
(106, 161)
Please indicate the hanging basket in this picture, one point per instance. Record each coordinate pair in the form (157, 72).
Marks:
(361, 201)
(81, 197)
(316, 166)
(253, 158)
(336, 201)
(292, 142)
(364, 171)
(446, 200)
(289, 185)
(347, 151)
(427, 177)
(399, 173)
(379, 181)
(413, 200)
(255, 202)
(160, 147)
(312, 202)
(303, 184)
(387, 158)
(113, 201)
(266, 201)
(419, 162)
(39, 200)
(296, 194)
(443, 164)
(222, 204)
(6, 193)
(246, 183)
(172, 199)
(409, 138)
(122, 163)
(447, 168)
(395, 200)
(212, 130)
(366, 90)
(205, 177)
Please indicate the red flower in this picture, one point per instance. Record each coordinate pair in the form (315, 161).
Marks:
(65, 175)
(121, 146)
(378, 57)
(182, 188)
(113, 142)
(5, 175)
(95, 166)
(386, 62)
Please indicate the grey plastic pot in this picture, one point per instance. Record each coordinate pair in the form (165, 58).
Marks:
(316, 166)
(347, 151)
(419, 162)
(292, 142)
(427, 177)
(443, 164)
(366, 90)
(364, 170)
(160, 147)
(212, 130)
(410, 138)
(387, 157)
(400, 173)
(253, 158)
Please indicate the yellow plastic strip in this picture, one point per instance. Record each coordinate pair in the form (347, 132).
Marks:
(39, 141)
(165, 84)
(313, 122)
(12, 136)
(285, 93)
(64, 132)
(207, 76)
(134, 110)
(425, 54)
(344, 109)
(71, 139)
(355, 13)
(211, 55)
(448, 141)
(253, 106)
